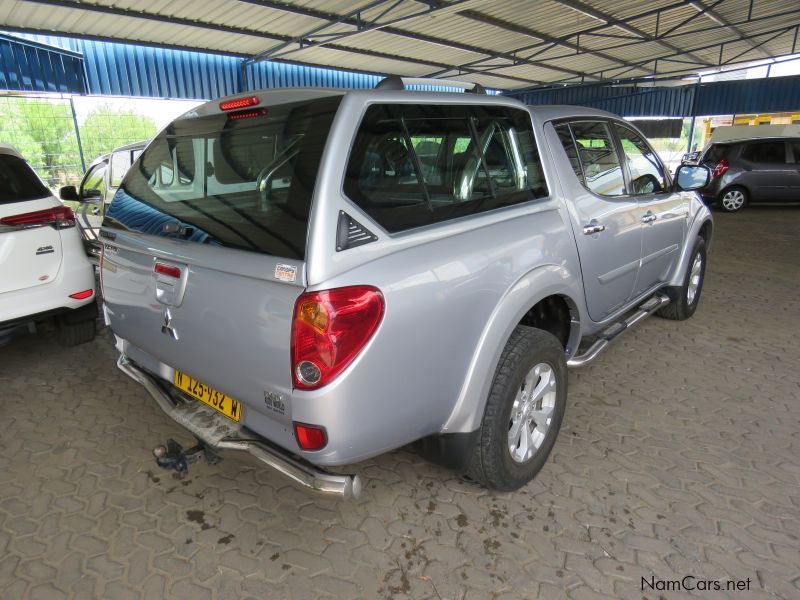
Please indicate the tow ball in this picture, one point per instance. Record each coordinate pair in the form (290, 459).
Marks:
(174, 456)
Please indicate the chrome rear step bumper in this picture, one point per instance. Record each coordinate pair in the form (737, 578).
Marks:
(213, 431)
(608, 335)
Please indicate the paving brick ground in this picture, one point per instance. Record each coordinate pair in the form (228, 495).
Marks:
(679, 455)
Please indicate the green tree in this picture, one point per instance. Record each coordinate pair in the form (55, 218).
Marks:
(106, 129)
(43, 131)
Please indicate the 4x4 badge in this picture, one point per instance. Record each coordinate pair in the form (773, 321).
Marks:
(167, 328)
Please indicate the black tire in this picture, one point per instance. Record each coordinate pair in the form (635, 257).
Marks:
(732, 205)
(680, 308)
(491, 463)
(74, 333)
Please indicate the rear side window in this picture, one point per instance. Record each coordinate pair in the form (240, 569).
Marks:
(716, 153)
(796, 150)
(413, 165)
(598, 157)
(242, 180)
(765, 152)
(18, 182)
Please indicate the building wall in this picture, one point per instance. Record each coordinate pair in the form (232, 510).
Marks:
(775, 94)
(26, 66)
(115, 69)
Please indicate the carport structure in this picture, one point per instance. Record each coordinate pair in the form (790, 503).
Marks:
(499, 43)
(678, 456)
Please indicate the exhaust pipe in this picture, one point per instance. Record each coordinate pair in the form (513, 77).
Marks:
(301, 472)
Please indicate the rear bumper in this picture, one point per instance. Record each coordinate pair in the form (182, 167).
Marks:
(28, 304)
(221, 434)
(85, 312)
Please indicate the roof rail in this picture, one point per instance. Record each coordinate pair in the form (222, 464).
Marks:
(396, 82)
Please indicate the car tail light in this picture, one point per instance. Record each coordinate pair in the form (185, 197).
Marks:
(168, 270)
(310, 437)
(59, 217)
(329, 329)
(720, 169)
(246, 114)
(239, 103)
(82, 295)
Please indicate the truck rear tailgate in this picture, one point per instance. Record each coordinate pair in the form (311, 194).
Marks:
(227, 328)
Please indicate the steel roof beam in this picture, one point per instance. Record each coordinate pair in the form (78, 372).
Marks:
(754, 46)
(715, 16)
(549, 42)
(705, 10)
(419, 37)
(779, 30)
(579, 6)
(121, 12)
(306, 39)
(670, 36)
(501, 24)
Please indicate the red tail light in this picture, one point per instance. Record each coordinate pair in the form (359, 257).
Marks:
(168, 270)
(329, 329)
(310, 437)
(82, 295)
(246, 114)
(720, 169)
(239, 103)
(59, 217)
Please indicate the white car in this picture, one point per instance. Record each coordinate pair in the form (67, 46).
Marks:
(45, 273)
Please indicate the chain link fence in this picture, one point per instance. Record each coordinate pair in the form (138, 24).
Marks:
(61, 136)
(43, 130)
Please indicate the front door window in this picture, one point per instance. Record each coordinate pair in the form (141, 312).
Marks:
(646, 173)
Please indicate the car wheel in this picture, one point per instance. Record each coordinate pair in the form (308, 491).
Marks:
(73, 334)
(732, 199)
(684, 298)
(523, 412)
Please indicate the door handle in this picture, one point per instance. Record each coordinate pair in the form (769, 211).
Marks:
(649, 217)
(593, 227)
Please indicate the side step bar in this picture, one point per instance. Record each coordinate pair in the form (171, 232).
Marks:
(212, 433)
(609, 334)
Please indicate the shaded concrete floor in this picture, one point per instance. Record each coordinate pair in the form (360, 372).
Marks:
(678, 456)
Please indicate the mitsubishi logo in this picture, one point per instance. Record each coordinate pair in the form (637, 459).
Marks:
(167, 328)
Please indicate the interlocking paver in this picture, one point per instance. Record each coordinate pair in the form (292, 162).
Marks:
(678, 455)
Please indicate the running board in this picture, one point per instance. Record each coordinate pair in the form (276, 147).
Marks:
(609, 334)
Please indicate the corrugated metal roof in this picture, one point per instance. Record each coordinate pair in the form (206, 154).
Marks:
(545, 41)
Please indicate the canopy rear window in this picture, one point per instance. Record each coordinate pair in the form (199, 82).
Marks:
(242, 179)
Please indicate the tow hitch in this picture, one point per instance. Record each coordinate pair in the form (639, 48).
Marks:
(215, 434)
(173, 456)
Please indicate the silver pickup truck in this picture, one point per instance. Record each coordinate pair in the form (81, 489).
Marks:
(319, 276)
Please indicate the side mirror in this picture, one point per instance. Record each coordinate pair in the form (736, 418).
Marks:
(68, 192)
(692, 177)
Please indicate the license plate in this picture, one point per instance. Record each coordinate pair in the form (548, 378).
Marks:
(207, 395)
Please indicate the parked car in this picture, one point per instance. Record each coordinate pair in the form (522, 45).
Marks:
(753, 170)
(106, 171)
(334, 274)
(44, 272)
(96, 190)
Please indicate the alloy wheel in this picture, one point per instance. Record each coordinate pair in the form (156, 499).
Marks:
(532, 413)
